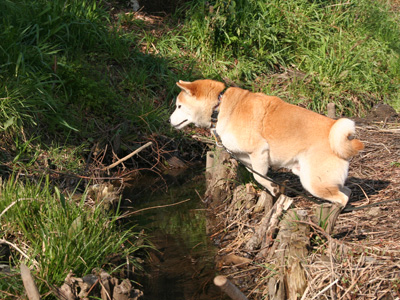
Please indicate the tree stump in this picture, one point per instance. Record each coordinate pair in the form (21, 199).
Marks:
(326, 216)
(288, 252)
(221, 175)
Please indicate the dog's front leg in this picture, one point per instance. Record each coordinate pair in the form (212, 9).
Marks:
(260, 164)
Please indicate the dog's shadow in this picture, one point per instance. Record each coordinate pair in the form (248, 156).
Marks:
(361, 189)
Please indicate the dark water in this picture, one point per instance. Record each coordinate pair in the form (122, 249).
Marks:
(183, 266)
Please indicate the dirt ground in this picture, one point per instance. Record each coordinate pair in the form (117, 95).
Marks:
(361, 259)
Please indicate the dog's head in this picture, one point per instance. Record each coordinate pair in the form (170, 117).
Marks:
(195, 103)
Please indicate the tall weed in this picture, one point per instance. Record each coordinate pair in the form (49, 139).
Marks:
(55, 234)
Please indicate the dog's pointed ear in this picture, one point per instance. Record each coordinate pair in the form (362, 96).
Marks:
(186, 86)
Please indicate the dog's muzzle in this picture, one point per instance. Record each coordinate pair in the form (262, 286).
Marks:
(177, 125)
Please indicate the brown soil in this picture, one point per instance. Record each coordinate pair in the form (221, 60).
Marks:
(361, 259)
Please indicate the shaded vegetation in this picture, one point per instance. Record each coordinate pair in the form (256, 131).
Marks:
(65, 70)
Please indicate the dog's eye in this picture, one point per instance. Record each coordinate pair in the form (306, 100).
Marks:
(179, 106)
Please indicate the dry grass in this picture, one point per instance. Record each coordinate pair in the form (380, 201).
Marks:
(361, 260)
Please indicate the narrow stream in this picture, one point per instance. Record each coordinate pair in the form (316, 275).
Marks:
(183, 266)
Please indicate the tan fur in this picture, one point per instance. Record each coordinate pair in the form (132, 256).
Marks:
(266, 131)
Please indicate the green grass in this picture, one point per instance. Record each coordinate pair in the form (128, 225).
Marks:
(347, 52)
(36, 35)
(57, 234)
(64, 68)
(74, 74)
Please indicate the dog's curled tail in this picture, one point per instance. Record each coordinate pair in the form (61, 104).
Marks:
(342, 141)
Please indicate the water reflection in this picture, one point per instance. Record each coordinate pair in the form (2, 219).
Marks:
(183, 266)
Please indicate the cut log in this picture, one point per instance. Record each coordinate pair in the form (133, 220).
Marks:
(263, 235)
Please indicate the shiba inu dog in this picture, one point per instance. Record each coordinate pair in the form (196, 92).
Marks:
(265, 131)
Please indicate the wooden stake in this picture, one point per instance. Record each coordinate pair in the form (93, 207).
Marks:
(229, 288)
(289, 250)
(30, 287)
(209, 164)
(221, 175)
(327, 215)
(331, 108)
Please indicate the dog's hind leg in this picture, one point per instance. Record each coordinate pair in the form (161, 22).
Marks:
(325, 179)
(332, 193)
(260, 164)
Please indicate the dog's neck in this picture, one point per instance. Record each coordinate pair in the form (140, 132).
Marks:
(214, 119)
(215, 112)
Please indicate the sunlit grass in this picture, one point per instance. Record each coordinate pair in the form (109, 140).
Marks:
(348, 52)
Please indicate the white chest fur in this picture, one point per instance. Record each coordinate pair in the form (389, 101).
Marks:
(230, 142)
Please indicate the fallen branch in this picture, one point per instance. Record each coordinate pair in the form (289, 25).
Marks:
(35, 263)
(153, 207)
(12, 204)
(128, 156)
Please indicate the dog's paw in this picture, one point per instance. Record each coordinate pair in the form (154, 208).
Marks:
(276, 190)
